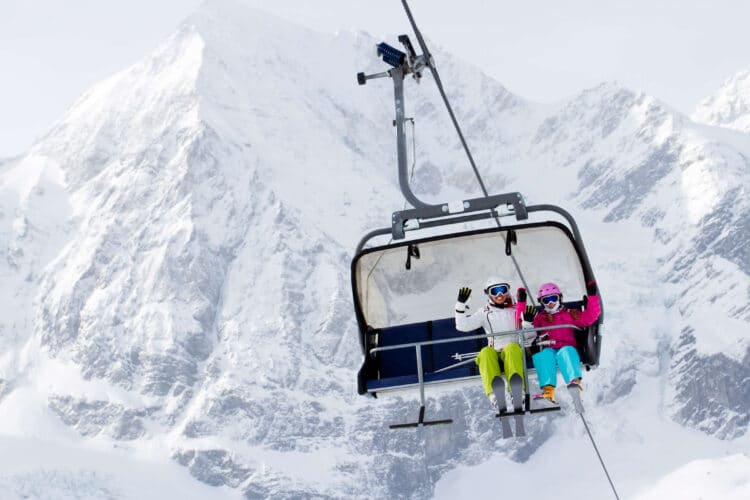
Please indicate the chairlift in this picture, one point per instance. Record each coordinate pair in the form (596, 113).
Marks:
(404, 289)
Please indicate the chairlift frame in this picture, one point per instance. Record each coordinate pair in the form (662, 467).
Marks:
(377, 339)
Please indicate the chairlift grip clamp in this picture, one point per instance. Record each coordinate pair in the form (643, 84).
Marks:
(400, 218)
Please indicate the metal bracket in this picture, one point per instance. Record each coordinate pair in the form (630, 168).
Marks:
(499, 205)
(421, 422)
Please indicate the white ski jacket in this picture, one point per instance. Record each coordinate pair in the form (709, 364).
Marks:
(490, 317)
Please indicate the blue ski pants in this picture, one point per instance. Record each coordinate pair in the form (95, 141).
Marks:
(548, 360)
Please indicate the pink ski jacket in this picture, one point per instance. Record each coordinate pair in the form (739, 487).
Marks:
(566, 336)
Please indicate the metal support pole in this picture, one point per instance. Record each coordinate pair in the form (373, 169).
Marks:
(527, 400)
(397, 74)
(420, 375)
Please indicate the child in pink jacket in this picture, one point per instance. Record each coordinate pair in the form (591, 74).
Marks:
(561, 351)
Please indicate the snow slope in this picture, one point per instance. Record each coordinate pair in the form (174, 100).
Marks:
(177, 251)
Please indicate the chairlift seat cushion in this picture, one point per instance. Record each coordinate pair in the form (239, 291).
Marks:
(399, 367)
(407, 380)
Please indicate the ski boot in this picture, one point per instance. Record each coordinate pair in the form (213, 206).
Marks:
(546, 398)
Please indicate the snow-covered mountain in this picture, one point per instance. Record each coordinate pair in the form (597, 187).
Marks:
(729, 106)
(176, 252)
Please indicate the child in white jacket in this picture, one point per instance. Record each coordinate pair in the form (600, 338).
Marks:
(498, 315)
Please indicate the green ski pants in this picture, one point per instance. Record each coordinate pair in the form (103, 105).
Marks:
(489, 366)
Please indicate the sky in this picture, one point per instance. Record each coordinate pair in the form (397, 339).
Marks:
(680, 51)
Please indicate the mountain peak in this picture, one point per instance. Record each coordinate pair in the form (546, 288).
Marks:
(729, 106)
(238, 27)
(130, 110)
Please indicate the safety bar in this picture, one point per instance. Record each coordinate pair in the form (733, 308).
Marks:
(505, 333)
(418, 345)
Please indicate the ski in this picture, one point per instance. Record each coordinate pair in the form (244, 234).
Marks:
(575, 394)
(498, 387)
(516, 392)
(505, 423)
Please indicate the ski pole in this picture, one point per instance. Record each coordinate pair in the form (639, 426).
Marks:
(604, 467)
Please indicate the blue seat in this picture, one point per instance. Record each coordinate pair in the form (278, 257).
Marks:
(442, 353)
(400, 362)
(404, 380)
(399, 367)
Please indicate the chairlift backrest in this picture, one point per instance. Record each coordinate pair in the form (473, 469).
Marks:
(388, 294)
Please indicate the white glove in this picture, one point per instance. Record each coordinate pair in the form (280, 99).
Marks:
(543, 340)
(529, 338)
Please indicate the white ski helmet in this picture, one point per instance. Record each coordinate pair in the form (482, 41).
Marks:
(492, 281)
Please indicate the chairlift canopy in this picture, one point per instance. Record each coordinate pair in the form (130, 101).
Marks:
(391, 295)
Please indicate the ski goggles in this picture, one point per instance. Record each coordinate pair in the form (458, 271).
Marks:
(500, 289)
(549, 299)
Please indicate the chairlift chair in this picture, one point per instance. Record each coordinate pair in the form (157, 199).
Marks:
(404, 290)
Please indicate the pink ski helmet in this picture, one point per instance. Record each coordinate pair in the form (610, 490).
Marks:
(548, 289)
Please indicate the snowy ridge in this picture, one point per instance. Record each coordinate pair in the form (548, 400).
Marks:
(178, 250)
(687, 188)
(729, 106)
